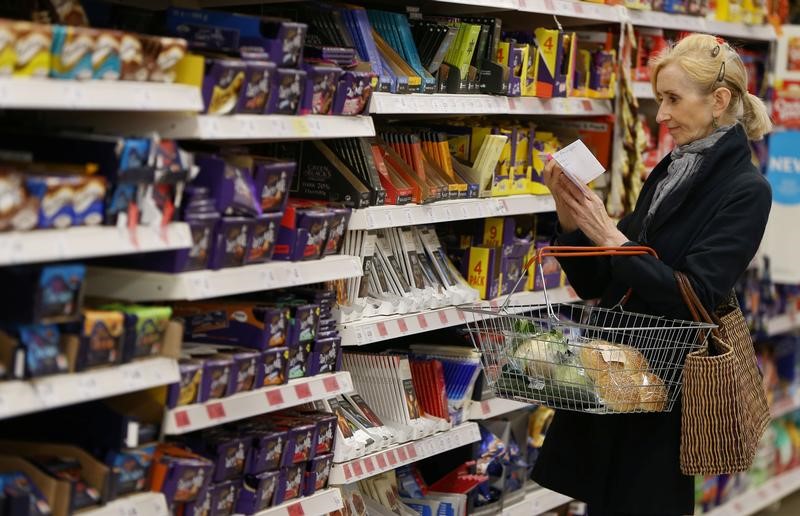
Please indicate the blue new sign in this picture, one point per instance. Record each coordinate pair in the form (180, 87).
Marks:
(783, 169)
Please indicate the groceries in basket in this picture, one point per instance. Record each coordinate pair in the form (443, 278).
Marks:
(576, 373)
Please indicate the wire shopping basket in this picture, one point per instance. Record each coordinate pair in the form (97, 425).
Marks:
(580, 357)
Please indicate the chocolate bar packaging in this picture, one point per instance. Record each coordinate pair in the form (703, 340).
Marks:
(244, 370)
(225, 449)
(106, 60)
(297, 360)
(101, 339)
(43, 356)
(325, 433)
(131, 57)
(166, 54)
(303, 234)
(326, 356)
(200, 506)
(290, 483)
(353, 93)
(258, 85)
(242, 323)
(232, 237)
(129, 469)
(29, 499)
(222, 85)
(45, 294)
(72, 53)
(257, 493)
(275, 369)
(272, 178)
(233, 187)
(320, 89)
(304, 323)
(288, 91)
(179, 473)
(144, 329)
(186, 391)
(216, 377)
(261, 245)
(337, 226)
(20, 209)
(266, 450)
(223, 497)
(33, 48)
(317, 473)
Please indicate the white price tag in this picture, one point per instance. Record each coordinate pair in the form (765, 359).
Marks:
(465, 212)
(295, 276)
(145, 98)
(448, 213)
(133, 378)
(370, 220)
(369, 334)
(87, 387)
(408, 217)
(200, 286)
(359, 337)
(47, 393)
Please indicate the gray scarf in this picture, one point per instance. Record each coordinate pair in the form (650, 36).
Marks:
(686, 161)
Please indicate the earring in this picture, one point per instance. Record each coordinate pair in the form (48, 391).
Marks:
(714, 122)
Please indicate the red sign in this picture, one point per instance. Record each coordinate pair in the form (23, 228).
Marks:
(215, 410)
(303, 391)
(331, 384)
(401, 324)
(443, 316)
(423, 322)
(182, 419)
(381, 461)
(368, 464)
(296, 509)
(401, 454)
(357, 469)
(275, 397)
(382, 331)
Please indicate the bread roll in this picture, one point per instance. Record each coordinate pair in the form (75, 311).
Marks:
(599, 357)
(634, 360)
(619, 391)
(652, 392)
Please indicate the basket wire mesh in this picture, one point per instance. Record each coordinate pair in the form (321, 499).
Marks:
(580, 357)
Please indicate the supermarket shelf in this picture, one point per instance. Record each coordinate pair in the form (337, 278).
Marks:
(489, 5)
(321, 502)
(742, 31)
(133, 285)
(558, 106)
(441, 103)
(643, 90)
(189, 418)
(536, 502)
(786, 405)
(680, 22)
(396, 456)
(782, 324)
(24, 397)
(487, 409)
(754, 500)
(582, 10)
(234, 127)
(50, 245)
(412, 214)
(57, 94)
(380, 328)
(141, 504)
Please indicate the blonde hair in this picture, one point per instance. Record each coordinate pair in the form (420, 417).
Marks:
(711, 63)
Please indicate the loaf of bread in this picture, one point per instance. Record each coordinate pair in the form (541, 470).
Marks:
(634, 360)
(652, 392)
(619, 391)
(599, 357)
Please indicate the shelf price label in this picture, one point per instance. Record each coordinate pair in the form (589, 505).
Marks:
(331, 384)
(402, 326)
(296, 509)
(423, 322)
(215, 410)
(182, 419)
(302, 391)
(275, 397)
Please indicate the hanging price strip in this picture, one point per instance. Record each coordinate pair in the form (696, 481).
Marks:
(275, 397)
(302, 391)
(331, 384)
(215, 410)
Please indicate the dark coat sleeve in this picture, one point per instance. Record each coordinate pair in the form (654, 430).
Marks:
(714, 261)
(588, 276)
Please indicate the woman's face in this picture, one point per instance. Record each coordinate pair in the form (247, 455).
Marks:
(682, 108)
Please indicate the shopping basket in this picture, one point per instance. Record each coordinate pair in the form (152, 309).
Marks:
(580, 357)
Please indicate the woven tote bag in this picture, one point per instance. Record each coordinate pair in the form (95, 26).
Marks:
(724, 406)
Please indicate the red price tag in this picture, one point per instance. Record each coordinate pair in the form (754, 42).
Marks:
(382, 331)
(485, 409)
(275, 397)
(296, 509)
(401, 324)
(578, 8)
(443, 316)
(571, 292)
(331, 384)
(303, 391)
(347, 472)
(548, 4)
(412, 451)
(357, 469)
(215, 410)
(423, 322)
(401, 454)
(369, 465)
(392, 458)
(182, 419)
(381, 461)
(512, 103)
(461, 315)
(587, 105)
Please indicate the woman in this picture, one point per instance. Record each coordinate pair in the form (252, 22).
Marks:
(703, 209)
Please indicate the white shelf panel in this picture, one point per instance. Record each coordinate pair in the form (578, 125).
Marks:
(396, 456)
(19, 93)
(754, 500)
(782, 324)
(133, 285)
(487, 409)
(536, 502)
(378, 217)
(269, 127)
(570, 106)
(49, 245)
(189, 418)
(321, 502)
(643, 90)
(19, 397)
(680, 22)
(582, 10)
(383, 103)
(489, 5)
(742, 31)
(375, 329)
(141, 504)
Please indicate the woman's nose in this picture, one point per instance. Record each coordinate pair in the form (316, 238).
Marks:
(663, 114)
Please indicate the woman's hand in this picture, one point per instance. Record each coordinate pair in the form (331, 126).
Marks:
(581, 208)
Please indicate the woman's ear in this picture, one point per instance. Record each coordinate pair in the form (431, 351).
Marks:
(721, 100)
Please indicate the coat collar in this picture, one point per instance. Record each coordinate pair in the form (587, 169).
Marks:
(723, 161)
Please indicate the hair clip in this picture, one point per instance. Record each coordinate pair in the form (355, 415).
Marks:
(720, 40)
(721, 74)
(715, 51)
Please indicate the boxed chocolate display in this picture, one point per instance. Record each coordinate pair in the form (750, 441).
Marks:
(186, 392)
(257, 493)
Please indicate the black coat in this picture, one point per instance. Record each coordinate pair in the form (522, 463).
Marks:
(629, 463)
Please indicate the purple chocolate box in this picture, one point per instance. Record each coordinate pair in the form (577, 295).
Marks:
(287, 92)
(299, 441)
(272, 179)
(232, 237)
(186, 478)
(227, 451)
(223, 497)
(185, 392)
(550, 268)
(263, 237)
(319, 469)
(316, 222)
(275, 367)
(215, 378)
(297, 360)
(286, 42)
(337, 226)
(222, 85)
(232, 187)
(290, 483)
(266, 451)
(304, 324)
(244, 371)
(258, 492)
(320, 89)
(353, 93)
(255, 93)
(326, 356)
